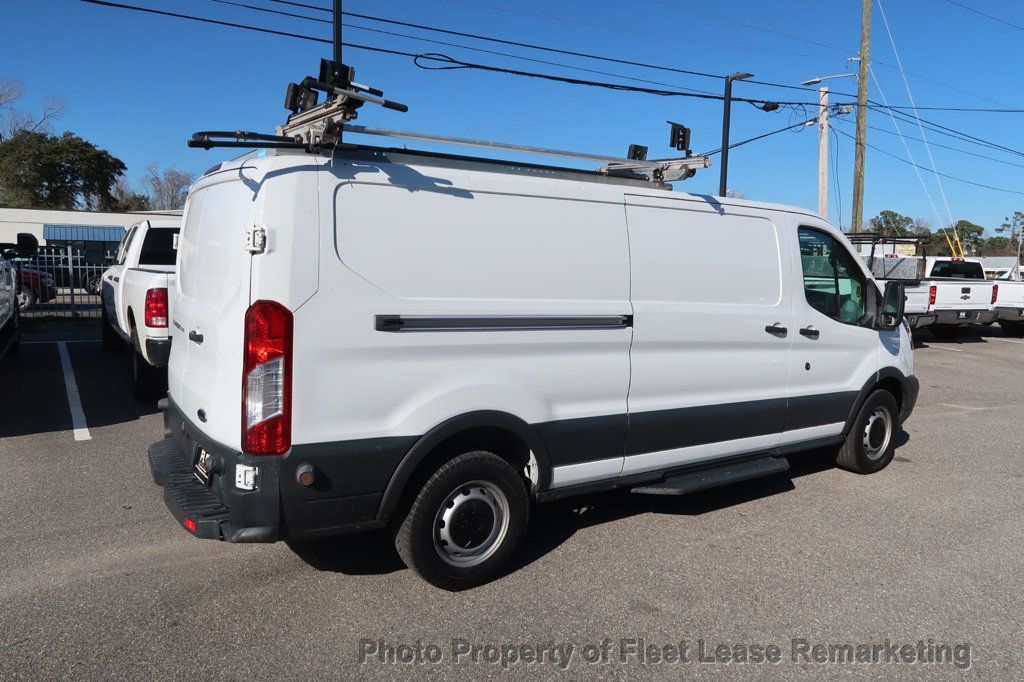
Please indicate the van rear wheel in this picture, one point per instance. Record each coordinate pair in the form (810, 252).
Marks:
(871, 442)
(465, 523)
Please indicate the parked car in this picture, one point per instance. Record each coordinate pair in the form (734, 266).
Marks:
(10, 327)
(433, 344)
(34, 288)
(136, 302)
(959, 294)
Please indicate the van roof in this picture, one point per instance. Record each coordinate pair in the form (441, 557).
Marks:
(637, 186)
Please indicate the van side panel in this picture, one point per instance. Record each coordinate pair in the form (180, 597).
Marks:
(449, 250)
(708, 380)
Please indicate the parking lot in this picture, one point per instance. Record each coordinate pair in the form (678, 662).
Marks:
(99, 580)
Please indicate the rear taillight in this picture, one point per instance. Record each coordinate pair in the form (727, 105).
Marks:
(267, 379)
(995, 293)
(932, 290)
(156, 308)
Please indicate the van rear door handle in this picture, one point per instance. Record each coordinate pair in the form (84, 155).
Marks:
(195, 336)
(116, 279)
(809, 332)
(776, 328)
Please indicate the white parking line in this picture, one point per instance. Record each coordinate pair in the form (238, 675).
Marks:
(955, 350)
(74, 400)
(1000, 338)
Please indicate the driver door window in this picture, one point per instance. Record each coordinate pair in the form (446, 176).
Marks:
(833, 284)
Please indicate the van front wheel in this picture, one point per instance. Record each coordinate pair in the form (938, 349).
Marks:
(871, 442)
(465, 523)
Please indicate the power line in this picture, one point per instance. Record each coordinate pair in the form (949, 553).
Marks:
(623, 29)
(987, 16)
(801, 124)
(946, 146)
(910, 96)
(945, 175)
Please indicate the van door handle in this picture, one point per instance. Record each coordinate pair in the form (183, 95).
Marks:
(116, 279)
(776, 328)
(195, 336)
(809, 332)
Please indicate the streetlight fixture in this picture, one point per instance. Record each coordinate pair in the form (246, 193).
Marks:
(823, 139)
(727, 108)
(818, 79)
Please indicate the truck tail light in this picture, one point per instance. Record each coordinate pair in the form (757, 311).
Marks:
(995, 293)
(156, 308)
(267, 379)
(932, 290)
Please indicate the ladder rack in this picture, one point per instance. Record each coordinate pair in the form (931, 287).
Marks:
(657, 170)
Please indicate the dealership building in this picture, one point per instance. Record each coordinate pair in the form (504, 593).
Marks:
(95, 234)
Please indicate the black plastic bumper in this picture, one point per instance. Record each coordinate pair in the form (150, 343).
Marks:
(958, 317)
(1011, 314)
(220, 510)
(158, 351)
(918, 320)
(911, 387)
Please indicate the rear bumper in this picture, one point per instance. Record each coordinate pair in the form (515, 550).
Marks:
(957, 317)
(918, 320)
(158, 351)
(1011, 314)
(911, 388)
(220, 511)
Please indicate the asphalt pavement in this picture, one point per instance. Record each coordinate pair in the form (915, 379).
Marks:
(921, 561)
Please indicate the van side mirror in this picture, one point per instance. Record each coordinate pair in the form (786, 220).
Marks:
(27, 245)
(890, 313)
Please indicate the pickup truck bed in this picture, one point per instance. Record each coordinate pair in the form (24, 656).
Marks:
(1009, 308)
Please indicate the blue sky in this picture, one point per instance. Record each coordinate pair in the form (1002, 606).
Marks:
(139, 85)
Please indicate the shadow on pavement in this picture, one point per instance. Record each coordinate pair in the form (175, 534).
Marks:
(553, 524)
(34, 398)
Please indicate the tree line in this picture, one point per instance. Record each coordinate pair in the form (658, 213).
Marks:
(1004, 242)
(41, 169)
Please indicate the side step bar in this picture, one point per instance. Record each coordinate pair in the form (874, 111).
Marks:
(704, 479)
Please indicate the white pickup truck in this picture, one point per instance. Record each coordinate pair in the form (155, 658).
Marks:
(958, 294)
(136, 304)
(1009, 307)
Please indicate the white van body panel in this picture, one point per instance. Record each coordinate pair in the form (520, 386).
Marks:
(453, 243)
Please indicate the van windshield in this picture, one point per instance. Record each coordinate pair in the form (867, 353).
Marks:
(160, 247)
(959, 269)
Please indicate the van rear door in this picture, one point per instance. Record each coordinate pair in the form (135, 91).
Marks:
(212, 293)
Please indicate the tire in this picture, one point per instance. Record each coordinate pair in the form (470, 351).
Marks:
(945, 332)
(148, 382)
(477, 502)
(111, 341)
(26, 300)
(1012, 328)
(871, 442)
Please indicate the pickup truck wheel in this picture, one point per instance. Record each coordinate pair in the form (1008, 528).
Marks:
(945, 332)
(871, 442)
(149, 382)
(1012, 328)
(465, 523)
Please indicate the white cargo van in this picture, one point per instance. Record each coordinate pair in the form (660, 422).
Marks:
(431, 343)
(380, 338)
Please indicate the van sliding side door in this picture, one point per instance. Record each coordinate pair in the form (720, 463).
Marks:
(713, 329)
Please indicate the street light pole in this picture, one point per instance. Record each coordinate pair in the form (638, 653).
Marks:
(726, 112)
(337, 32)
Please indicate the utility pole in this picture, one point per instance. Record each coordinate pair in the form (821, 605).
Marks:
(862, 116)
(726, 114)
(823, 152)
